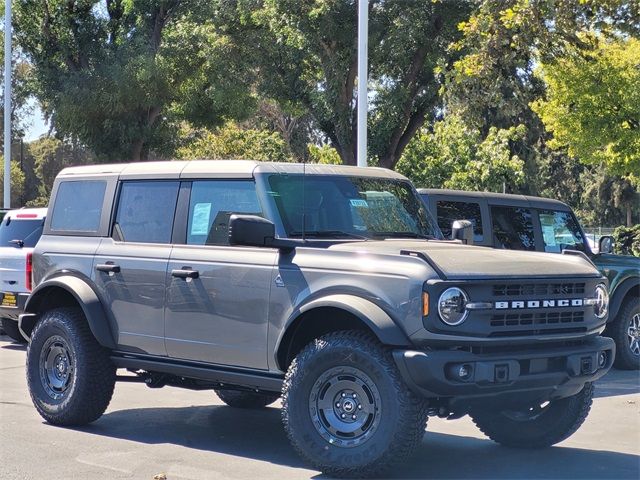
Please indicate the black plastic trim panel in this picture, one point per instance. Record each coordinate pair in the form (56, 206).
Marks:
(201, 371)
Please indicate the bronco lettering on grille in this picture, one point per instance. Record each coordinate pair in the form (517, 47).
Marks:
(517, 304)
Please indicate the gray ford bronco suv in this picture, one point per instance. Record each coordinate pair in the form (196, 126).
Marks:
(328, 286)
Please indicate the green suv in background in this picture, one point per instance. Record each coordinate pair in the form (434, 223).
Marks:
(540, 224)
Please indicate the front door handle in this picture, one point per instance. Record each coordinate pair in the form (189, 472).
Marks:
(108, 267)
(184, 273)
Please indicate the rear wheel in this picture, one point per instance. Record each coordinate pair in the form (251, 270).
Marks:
(240, 399)
(11, 330)
(346, 410)
(70, 376)
(538, 426)
(625, 331)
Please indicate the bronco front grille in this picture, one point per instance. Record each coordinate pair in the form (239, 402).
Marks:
(514, 290)
(516, 320)
(545, 323)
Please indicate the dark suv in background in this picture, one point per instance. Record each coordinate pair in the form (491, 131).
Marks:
(541, 224)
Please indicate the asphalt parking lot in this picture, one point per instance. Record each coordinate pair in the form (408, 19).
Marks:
(192, 435)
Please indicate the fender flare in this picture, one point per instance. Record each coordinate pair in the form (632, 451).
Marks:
(86, 298)
(619, 295)
(382, 325)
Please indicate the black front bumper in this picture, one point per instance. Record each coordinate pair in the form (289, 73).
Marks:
(553, 372)
(13, 311)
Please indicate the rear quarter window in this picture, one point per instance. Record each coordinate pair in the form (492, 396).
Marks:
(78, 206)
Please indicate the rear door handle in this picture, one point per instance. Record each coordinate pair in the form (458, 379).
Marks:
(108, 267)
(184, 273)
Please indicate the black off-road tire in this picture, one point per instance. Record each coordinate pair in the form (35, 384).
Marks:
(11, 330)
(91, 374)
(401, 416)
(557, 422)
(251, 400)
(626, 358)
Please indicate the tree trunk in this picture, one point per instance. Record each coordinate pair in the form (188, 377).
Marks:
(347, 154)
(136, 150)
(629, 222)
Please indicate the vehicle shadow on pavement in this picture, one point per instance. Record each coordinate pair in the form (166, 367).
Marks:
(259, 435)
(618, 382)
(15, 346)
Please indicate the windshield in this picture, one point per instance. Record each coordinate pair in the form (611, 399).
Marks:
(350, 207)
(28, 231)
(560, 231)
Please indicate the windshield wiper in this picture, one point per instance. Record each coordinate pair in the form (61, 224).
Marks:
(404, 235)
(328, 234)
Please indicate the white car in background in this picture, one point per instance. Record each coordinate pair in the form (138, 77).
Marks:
(20, 230)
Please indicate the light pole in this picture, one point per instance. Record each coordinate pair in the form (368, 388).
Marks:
(363, 34)
(7, 103)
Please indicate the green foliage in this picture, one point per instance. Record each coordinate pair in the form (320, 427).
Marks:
(17, 184)
(627, 240)
(456, 156)
(21, 92)
(233, 142)
(324, 154)
(305, 55)
(592, 104)
(49, 156)
(119, 75)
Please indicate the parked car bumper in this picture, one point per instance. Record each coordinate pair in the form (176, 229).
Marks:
(12, 304)
(543, 373)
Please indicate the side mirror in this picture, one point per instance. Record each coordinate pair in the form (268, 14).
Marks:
(462, 230)
(251, 230)
(605, 244)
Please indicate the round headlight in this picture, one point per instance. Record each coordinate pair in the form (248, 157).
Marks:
(601, 305)
(451, 306)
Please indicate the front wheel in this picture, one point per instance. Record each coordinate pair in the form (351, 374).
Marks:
(538, 426)
(70, 376)
(345, 408)
(625, 331)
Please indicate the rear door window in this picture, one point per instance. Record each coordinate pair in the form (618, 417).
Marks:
(78, 206)
(560, 231)
(449, 211)
(145, 211)
(513, 228)
(13, 231)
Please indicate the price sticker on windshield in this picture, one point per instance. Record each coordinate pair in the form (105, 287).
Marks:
(358, 202)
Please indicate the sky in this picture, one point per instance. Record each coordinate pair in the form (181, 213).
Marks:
(37, 125)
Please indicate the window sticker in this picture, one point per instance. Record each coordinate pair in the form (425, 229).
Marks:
(200, 221)
(358, 202)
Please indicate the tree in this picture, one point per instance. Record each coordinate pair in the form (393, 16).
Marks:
(21, 88)
(17, 184)
(233, 142)
(494, 81)
(592, 104)
(120, 75)
(49, 156)
(305, 54)
(456, 156)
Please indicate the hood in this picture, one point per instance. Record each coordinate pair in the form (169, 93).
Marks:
(465, 262)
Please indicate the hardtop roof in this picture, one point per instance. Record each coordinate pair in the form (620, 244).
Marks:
(222, 168)
(499, 198)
